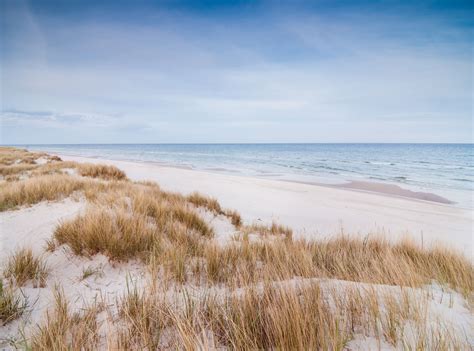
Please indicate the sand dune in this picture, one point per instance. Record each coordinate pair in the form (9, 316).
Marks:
(83, 247)
(314, 210)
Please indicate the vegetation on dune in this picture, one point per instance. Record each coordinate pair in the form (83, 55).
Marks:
(130, 221)
(249, 296)
(306, 316)
(23, 266)
(143, 224)
(203, 201)
(355, 259)
(16, 162)
(101, 171)
(13, 156)
(16, 169)
(63, 330)
(12, 304)
(34, 190)
(213, 205)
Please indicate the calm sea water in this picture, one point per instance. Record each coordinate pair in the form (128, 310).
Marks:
(443, 169)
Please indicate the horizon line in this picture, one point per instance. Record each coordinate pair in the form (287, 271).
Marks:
(253, 143)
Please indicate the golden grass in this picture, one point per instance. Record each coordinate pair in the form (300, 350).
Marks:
(142, 218)
(234, 217)
(24, 266)
(12, 304)
(273, 229)
(53, 168)
(145, 316)
(14, 162)
(261, 320)
(307, 316)
(12, 155)
(213, 205)
(303, 317)
(63, 330)
(100, 171)
(371, 260)
(15, 169)
(118, 235)
(34, 190)
(210, 203)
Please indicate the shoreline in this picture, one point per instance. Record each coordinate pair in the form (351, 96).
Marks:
(365, 186)
(313, 210)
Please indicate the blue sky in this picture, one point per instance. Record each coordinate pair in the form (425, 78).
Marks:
(210, 71)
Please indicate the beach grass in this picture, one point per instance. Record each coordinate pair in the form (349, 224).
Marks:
(302, 316)
(12, 304)
(100, 171)
(264, 289)
(64, 330)
(213, 205)
(24, 266)
(33, 190)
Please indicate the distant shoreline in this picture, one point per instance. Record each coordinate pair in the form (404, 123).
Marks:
(386, 189)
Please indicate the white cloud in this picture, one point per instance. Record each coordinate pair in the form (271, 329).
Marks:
(287, 75)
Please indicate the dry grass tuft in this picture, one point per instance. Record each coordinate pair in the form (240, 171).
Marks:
(34, 190)
(256, 320)
(130, 220)
(273, 229)
(116, 234)
(101, 171)
(145, 317)
(65, 331)
(213, 205)
(24, 266)
(234, 217)
(12, 305)
(209, 203)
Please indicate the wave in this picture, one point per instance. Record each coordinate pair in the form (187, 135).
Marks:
(380, 163)
(400, 179)
(463, 180)
(377, 178)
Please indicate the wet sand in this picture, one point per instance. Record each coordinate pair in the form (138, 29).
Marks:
(395, 190)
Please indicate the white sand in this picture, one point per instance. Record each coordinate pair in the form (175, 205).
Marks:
(312, 210)
(30, 227)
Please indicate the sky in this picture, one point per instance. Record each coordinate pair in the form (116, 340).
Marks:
(235, 72)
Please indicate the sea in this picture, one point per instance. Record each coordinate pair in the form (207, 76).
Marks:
(443, 169)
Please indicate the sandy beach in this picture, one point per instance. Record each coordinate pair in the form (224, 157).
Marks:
(316, 211)
(236, 175)
(83, 238)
